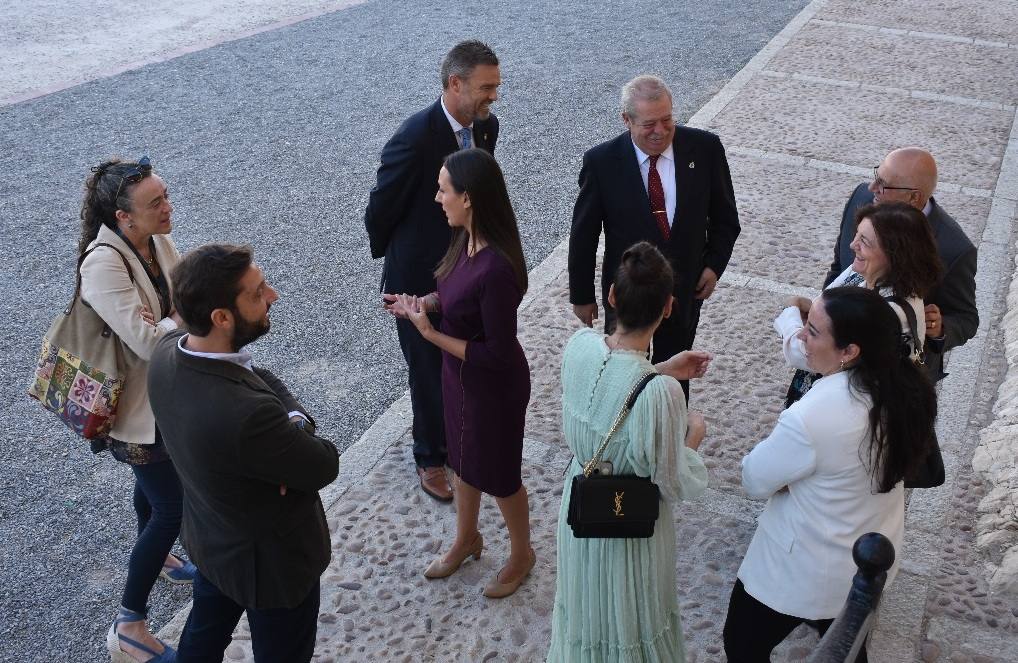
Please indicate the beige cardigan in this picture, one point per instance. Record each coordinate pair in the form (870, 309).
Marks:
(107, 287)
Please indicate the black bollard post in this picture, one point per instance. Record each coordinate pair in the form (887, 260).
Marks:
(873, 554)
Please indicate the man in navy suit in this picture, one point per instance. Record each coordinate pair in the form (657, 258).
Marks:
(408, 228)
(909, 175)
(663, 184)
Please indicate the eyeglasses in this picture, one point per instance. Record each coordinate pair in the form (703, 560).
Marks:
(135, 174)
(881, 185)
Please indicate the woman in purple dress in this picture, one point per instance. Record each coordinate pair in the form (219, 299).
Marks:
(485, 376)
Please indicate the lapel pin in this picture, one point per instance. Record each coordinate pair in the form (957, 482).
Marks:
(692, 164)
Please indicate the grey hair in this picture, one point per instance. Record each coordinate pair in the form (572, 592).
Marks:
(644, 87)
(464, 56)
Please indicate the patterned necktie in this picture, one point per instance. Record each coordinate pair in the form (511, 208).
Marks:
(466, 137)
(656, 192)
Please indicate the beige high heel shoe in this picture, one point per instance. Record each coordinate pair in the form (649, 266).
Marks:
(500, 590)
(442, 569)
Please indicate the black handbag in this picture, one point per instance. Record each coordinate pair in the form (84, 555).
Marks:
(931, 473)
(607, 506)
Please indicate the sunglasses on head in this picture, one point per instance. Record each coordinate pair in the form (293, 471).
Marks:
(134, 174)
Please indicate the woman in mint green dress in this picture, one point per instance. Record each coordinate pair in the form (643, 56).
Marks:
(615, 599)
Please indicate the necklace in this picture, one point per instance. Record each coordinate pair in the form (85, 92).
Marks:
(615, 343)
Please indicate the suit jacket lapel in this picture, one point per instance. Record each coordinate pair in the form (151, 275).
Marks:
(631, 181)
(684, 188)
(445, 139)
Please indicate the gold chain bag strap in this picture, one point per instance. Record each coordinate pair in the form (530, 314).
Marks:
(81, 369)
(610, 506)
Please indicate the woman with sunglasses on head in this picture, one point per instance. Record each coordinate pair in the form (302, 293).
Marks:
(485, 375)
(125, 226)
(896, 255)
(832, 470)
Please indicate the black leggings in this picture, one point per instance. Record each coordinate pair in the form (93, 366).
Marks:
(158, 502)
(752, 630)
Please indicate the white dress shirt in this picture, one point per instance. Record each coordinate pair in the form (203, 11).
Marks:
(456, 127)
(666, 169)
(239, 358)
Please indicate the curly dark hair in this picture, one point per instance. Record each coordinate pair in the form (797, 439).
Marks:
(903, 402)
(905, 238)
(106, 191)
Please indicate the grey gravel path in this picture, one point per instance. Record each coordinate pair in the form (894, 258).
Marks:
(273, 139)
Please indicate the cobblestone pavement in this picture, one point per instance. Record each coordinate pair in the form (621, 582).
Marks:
(845, 82)
(269, 131)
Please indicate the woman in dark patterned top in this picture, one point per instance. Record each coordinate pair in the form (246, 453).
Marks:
(485, 375)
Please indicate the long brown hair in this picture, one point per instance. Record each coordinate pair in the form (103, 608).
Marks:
(914, 266)
(476, 173)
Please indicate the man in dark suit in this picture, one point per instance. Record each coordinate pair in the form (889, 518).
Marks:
(663, 184)
(249, 463)
(909, 175)
(408, 228)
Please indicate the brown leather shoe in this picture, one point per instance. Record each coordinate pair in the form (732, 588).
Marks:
(435, 483)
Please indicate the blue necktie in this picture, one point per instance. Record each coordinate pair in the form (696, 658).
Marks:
(466, 137)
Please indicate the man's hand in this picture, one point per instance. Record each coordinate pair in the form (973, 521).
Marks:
(696, 429)
(587, 313)
(686, 365)
(934, 322)
(705, 286)
(804, 304)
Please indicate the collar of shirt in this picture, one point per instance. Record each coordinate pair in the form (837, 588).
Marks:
(929, 207)
(456, 126)
(238, 358)
(642, 156)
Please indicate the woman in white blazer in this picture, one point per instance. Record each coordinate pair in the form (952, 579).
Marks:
(831, 471)
(895, 254)
(125, 226)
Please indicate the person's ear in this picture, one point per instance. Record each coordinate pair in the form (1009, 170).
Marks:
(667, 311)
(628, 122)
(122, 216)
(222, 318)
(466, 200)
(456, 84)
(850, 353)
(611, 295)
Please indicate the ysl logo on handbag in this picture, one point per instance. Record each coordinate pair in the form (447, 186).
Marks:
(618, 504)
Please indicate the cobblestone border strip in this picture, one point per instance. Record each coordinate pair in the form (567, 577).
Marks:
(710, 110)
(939, 36)
(886, 89)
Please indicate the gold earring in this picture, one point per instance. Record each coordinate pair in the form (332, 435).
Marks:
(842, 364)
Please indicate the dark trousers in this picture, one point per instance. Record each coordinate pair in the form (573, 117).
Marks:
(158, 502)
(278, 635)
(424, 365)
(752, 630)
(675, 334)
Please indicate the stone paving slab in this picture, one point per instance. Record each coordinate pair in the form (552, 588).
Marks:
(911, 63)
(857, 127)
(991, 20)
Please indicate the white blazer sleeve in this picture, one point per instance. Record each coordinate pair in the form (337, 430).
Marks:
(107, 287)
(784, 457)
(788, 324)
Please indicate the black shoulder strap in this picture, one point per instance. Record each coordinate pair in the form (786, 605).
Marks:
(639, 389)
(913, 325)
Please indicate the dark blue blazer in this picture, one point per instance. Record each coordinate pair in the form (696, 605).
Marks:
(612, 196)
(404, 223)
(955, 295)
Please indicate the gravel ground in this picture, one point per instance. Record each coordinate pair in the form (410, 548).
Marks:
(273, 140)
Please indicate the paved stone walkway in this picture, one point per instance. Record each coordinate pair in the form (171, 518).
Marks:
(804, 122)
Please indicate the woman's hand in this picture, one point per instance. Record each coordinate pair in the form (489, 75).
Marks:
(147, 316)
(413, 308)
(686, 365)
(804, 304)
(696, 429)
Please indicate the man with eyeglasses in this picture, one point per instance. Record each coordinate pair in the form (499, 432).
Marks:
(909, 175)
(663, 184)
(408, 228)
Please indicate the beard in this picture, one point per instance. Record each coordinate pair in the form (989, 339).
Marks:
(245, 331)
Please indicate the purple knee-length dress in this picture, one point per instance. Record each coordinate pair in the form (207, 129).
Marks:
(486, 396)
